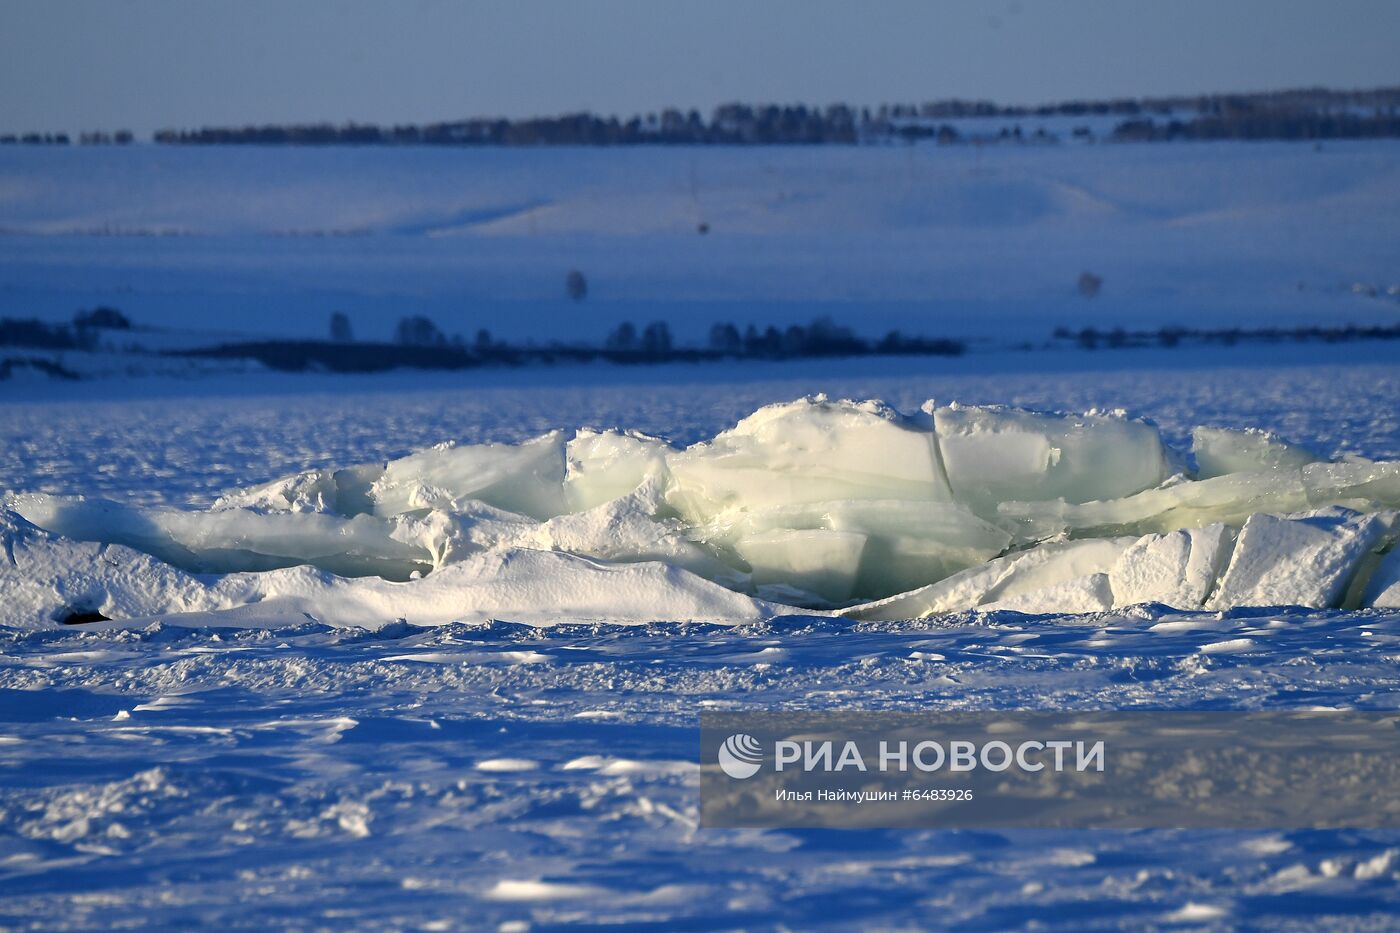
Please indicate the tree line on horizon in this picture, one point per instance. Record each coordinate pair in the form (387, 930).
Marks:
(1311, 113)
(1295, 114)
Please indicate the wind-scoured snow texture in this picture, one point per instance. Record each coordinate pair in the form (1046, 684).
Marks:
(814, 503)
(498, 777)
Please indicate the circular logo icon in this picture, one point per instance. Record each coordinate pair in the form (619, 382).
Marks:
(740, 756)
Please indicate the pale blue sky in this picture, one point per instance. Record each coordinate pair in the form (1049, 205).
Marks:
(143, 64)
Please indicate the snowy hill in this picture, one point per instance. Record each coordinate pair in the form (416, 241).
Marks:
(960, 240)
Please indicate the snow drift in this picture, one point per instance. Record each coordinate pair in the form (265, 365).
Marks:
(824, 505)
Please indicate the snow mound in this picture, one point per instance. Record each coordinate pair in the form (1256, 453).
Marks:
(820, 504)
(49, 580)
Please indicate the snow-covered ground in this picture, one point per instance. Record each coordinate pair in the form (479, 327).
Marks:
(496, 775)
(486, 775)
(500, 776)
(976, 241)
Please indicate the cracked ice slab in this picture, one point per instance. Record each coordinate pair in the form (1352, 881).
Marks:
(1299, 560)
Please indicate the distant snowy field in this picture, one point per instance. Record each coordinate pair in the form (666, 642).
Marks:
(504, 777)
(978, 241)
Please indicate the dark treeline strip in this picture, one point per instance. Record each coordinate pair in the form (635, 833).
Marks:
(1298, 99)
(302, 355)
(820, 338)
(732, 124)
(652, 345)
(1266, 125)
(1090, 338)
(1308, 113)
(82, 334)
(18, 332)
(420, 345)
(1296, 114)
(625, 345)
(119, 138)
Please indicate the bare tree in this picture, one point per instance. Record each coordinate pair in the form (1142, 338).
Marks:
(656, 339)
(576, 285)
(340, 328)
(419, 331)
(623, 337)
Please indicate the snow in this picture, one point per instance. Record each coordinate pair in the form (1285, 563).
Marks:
(605, 465)
(48, 579)
(1013, 581)
(926, 239)
(1303, 560)
(1383, 590)
(1179, 568)
(1089, 593)
(346, 779)
(215, 757)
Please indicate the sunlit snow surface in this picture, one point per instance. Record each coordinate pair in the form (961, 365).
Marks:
(497, 774)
